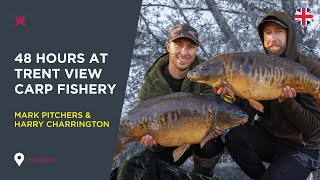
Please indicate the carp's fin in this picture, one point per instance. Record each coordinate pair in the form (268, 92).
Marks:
(177, 153)
(229, 89)
(256, 105)
(207, 138)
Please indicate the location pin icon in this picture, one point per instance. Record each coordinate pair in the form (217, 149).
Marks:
(19, 157)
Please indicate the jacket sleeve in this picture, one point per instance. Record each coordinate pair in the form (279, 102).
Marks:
(143, 93)
(304, 115)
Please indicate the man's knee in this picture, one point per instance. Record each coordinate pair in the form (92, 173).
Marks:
(234, 136)
(211, 149)
(237, 141)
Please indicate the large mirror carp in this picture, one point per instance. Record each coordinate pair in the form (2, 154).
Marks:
(255, 76)
(179, 119)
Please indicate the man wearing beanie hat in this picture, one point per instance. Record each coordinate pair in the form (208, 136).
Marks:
(287, 134)
(168, 75)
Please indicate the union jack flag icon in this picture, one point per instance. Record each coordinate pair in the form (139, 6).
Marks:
(303, 16)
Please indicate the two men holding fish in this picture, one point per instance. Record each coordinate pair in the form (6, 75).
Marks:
(280, 91)
(287, 132)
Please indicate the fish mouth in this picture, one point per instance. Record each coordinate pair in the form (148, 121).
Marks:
(244, 121)
(195, 77)
(246, 117)
(192, 76)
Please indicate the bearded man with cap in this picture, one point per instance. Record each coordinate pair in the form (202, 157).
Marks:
(287, 134)
(168, 75)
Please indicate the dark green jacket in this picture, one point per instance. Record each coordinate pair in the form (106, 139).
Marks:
(155, 84)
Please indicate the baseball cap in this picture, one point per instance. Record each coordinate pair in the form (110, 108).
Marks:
(183, 30)
(271, 19)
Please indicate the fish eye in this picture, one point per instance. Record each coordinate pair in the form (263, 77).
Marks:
(235, 114)
(203, 68)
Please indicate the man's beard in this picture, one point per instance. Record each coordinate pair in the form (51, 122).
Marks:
(279, 52)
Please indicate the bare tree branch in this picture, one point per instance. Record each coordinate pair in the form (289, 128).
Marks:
(187, 21)
(248, 6)
(159, 41)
